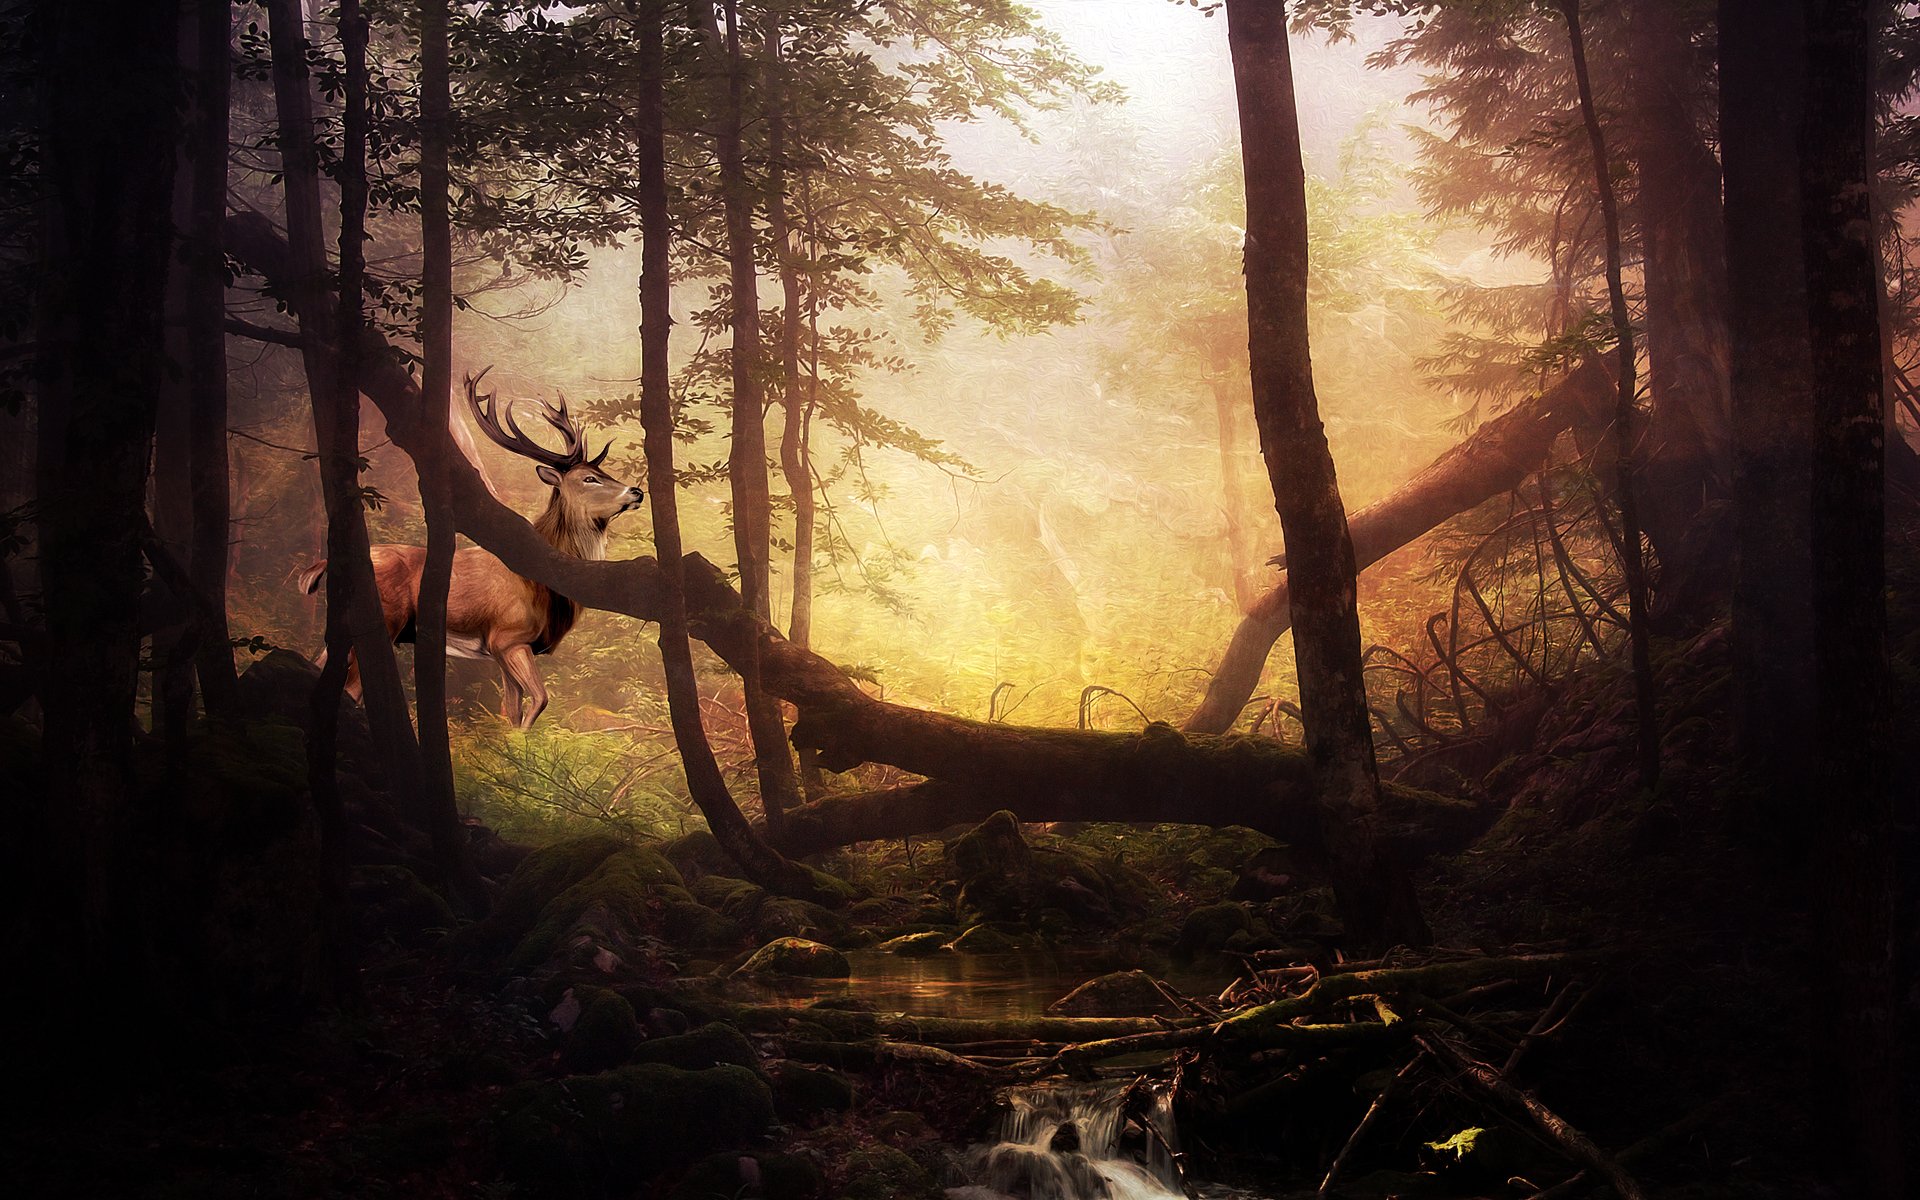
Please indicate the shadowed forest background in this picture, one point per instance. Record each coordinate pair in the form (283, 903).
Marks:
(1102, 598)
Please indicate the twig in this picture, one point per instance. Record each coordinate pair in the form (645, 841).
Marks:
(1366, 1123)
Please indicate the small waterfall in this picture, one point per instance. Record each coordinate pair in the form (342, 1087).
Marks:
(1073, 1141)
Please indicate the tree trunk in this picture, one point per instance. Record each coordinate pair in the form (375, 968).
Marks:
(1858, 1077)
(1495, 459)
(1376, 897)
(747, 457)
(1687, 447)
(1626, 481)
(1240, 555)
(206, 341)
(1761, 60)
(705, 783)
(793, 443)
(430, 461)
(107, 163)
(332, 367)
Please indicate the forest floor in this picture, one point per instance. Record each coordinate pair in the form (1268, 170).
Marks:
(598, 1033)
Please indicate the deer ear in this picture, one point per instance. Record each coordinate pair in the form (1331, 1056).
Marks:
(601, 457)
(549, 476)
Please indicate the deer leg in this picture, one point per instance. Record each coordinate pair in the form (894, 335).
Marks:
(518, 661)
(509, 693)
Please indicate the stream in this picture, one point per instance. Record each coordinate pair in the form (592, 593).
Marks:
(1055, 1140)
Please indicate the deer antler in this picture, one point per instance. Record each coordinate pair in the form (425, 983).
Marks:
(503, 430)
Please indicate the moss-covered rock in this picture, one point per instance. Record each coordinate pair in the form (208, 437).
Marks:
(883, 1173)
(1208, 929)
(784, 917)
(733, 1175)
(710, 1045)
(736, 898)
(917, 945)
(983, 939)
(797, 956)
(1003, 877)
(390, 902)
(692, 924)
(610, 1133)
(604, 1030)
(596, 898)
(804, 1095)
(1121, 994)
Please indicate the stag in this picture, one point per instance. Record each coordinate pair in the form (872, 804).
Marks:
(493, 613)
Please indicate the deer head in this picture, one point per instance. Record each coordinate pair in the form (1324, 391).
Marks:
(583, 493)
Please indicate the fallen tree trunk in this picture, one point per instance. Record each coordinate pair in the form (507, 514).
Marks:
(974, 768)
(1494, 459)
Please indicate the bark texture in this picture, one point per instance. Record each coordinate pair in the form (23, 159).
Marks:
(1376, 897)
(1858, 1083)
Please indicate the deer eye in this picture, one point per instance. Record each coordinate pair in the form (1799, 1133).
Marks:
(591, 479)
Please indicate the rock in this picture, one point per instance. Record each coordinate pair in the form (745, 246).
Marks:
(610, 1133)
(1004, 878)
(983, 939)
(691, 923)
(803, 1095)
(737, 898)
(391, 902)
(917, 945)
(1268, 875)
(1066, 1139)
(1121, 994)
(784, 917)
(797, 956)
(883, 1173)
(603, 1034)
(736, 1176)
(710, 1045)
(1208, 929)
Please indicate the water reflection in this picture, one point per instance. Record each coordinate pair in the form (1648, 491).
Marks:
(994, 986)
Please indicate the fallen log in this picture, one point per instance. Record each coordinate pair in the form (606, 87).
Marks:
(1494, 459)
(975, 768)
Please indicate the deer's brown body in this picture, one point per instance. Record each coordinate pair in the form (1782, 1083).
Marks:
(492, 612)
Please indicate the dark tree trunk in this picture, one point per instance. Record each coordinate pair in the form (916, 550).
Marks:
(205, 265)
(107, 167)
(1858, 1077)
(1761, 61)
(1495, 459)
(430, 456)
(705, 783)
(1625, 425)
(1376, 896)
(1687, 442)
(1240, 555)
(331, 351)
(747, 457)
(793, 434)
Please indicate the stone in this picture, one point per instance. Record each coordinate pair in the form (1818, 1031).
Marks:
(1121, 994)
(917, 945)
(798, 957)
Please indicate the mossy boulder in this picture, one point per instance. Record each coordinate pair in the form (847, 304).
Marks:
(710, 1045)
(1004, 877)
(389, 901)
(805, 1095)
(797, 957)
(699, 854)
(1209, 928)
(604, 1031)
(733, 1175)
(883, 1173)
(785, 917)
(610, 1133)
(983, 939)
(917, 945)
(737, 898)
(690, 923)
(1121, 994)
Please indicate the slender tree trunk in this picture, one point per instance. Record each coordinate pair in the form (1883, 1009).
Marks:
(107, 164)
(793, 449)
(1687, 440)
(331, 349)
(1226, 404)
(1762, 47)
(430, 454)
(747, 458)
(1859, 1081)
(206, 341)
(1376, 897)
(1625, 422)
(705, 783)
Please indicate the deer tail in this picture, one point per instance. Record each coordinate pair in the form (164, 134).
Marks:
(309, 579)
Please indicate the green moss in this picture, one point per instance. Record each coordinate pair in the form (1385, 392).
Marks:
(610, 1133)
(737, 898)
(390, 901)
(625, 895)
(804, 1095)
(605, 1034)
(1210, 927)
(707, 1046)
(984, 939)
(917, 945)
(883, 1173)
(783, 917)
(797, 956)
